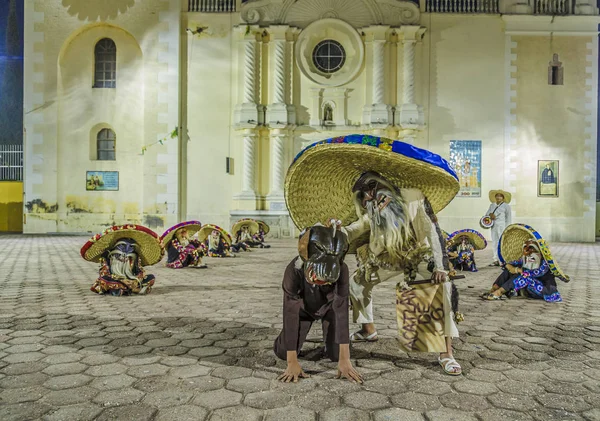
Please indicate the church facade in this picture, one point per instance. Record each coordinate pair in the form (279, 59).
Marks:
(158, 111)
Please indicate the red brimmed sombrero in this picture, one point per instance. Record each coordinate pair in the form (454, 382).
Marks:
(148, 244)
(192, 227)
(208, 228)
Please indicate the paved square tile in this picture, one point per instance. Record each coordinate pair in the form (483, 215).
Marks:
(200, 346)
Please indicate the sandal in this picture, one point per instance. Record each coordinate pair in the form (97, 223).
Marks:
(361, 337)
(448, 364)
(492, 297)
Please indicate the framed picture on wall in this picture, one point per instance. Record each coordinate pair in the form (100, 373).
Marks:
(547, 178)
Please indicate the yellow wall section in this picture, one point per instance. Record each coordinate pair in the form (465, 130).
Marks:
(11, 206)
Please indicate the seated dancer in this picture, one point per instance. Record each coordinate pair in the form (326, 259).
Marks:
(461, 249)
(534, 272)
(263, 230)
(387, 193)
(315, 287)
(217, 241)
(245, 232)
(181, 250)
(122, 251)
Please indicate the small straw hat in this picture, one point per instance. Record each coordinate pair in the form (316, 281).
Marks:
(510, 247)
(507, 196)
(249, 222)
(476, 239)
(149, 247)
(207, 229)
(264, 226)
(319, 182)
(192, 227)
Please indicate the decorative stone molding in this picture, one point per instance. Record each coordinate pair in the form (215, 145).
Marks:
(247, 113)
(337, 99)
(358, 13)
(378, 114)
(411, 114)
(339, 31)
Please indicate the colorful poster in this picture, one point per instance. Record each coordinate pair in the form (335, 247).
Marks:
(102, 181)
(548, 178)
(465, 158)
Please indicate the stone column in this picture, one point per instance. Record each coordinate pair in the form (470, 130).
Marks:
(377, 113)
(246, 112)
(277, 178)
(249, 166)
(411, 114)
(280, 111)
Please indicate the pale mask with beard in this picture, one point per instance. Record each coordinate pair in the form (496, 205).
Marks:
(386, 209)
(213, 240)
(123, 260)
(182, 237)
(245, 234)
(532, 257)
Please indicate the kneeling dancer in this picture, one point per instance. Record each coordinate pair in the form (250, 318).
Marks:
(527, 266)
(122, 252)
(315, 287)
(386, 194)
(182, 250)
(461, 248)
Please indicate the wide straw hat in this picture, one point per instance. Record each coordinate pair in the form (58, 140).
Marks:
(207, 229)
(507, 196)
(264, 226)
(475, 238)
(148, 248)
(510, 247)
(249, 222)
(192, 228)
(319, 182)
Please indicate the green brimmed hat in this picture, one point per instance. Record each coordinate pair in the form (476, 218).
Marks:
(249, 222)
(510, 247)
(319, 182)
(192, 227)
(476, 239)
(148, 247)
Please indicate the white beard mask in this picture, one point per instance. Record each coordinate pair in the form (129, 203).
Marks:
(121, 264)
(533, 261)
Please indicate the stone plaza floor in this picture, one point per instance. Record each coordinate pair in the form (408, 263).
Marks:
(200, 346)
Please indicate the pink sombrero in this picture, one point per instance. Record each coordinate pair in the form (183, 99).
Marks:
(148, 243)
(192, 226)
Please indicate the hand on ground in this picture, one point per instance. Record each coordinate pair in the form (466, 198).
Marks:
(293, 372)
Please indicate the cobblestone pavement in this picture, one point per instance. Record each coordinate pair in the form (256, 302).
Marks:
(199, 347)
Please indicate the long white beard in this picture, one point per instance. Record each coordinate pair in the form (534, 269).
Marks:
(184, 242)
(246, 236)
(213, 243)
(390, 223)
(533, 261)
(120, 266)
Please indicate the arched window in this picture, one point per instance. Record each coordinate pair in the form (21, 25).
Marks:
(106, 145)
(105, 69)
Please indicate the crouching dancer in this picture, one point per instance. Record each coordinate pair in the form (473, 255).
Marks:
(316, 286)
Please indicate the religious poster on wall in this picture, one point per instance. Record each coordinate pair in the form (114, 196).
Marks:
(548, 178)
(102, 181)
(465, 158)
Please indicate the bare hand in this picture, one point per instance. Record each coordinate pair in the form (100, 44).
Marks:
(292, 373)
(438, 277)
(331, 221)
(346, 371)
(493, 217)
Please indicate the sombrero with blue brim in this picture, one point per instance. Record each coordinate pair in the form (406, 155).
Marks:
(510, 247)
(476, 239)
(319, 182)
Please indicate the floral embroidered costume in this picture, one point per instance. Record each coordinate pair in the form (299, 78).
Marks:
(461, 248)
(531, 270)
(182, 250)
(217, 241)
(122, 252)
(250, 232)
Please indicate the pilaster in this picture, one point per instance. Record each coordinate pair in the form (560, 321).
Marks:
(378, 114)
(411, 114)
(247, 110)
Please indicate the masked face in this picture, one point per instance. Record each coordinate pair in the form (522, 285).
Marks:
(123, 259)
(532, 257)
(245, 235)
(183, 237)
(323, 250)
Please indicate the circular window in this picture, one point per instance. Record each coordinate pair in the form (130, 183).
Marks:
(329, 56)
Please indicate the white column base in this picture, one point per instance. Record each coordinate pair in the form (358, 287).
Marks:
(246, 114)
(281, 114)
(411, 116)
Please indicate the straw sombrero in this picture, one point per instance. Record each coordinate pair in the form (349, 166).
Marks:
(319, 182)
(149, 248)
(249, 222)
(208, 228)
(192, 227)
(493, 193)
(478, 241)
(265, 227)
(510, 247)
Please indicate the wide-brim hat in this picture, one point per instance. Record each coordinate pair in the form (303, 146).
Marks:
(149, 248)
(208, 228)
(319, 182)
(510, 247)
(507, 196)
(192, 227)
(264, 226)
(475, 238)
(249, 222)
